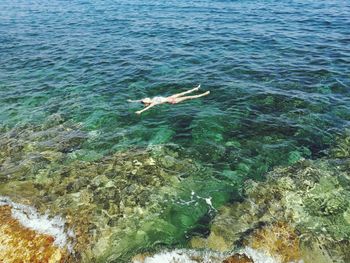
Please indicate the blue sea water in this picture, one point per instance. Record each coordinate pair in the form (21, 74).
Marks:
(274, 69)
(278, 72)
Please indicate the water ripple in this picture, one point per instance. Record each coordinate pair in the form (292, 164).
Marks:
(261, 60)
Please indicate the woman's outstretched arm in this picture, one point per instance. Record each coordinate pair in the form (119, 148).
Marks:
(147, 108)
(134, 100)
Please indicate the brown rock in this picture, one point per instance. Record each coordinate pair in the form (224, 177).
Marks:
(20, 244)
(279, 240)
(238, 258)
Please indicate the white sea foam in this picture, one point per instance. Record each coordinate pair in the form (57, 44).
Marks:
(259, 256)
(29, 217)
(206, 256)
(194, 199)
(168, 257)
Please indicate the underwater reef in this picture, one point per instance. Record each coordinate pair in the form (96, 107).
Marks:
(300, 212)
(113, 205)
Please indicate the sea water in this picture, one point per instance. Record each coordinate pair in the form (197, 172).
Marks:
(278, 73)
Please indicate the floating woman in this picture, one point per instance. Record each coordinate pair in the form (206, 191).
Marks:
(173, 99)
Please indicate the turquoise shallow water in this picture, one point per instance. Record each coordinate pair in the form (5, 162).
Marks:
(278, 72)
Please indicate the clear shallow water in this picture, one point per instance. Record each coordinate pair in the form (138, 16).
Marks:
(278, 73)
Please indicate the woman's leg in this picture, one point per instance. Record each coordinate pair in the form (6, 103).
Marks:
(181, 99)
(185, 92)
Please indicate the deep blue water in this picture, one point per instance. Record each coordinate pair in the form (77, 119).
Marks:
(278, 72)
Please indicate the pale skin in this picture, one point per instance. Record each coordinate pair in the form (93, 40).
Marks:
(173, 99)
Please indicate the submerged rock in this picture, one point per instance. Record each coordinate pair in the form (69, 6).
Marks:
(102, 201)
(279, 240)
(117, 204)
(27, 149)
(238, 258)
(341, 149)
(300, 212)
(127, 202)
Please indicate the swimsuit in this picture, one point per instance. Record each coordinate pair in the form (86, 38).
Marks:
(159, 100)
(172, 100)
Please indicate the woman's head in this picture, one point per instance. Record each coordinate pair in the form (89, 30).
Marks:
(146, 101)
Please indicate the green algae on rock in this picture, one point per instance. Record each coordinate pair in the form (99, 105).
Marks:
(312, 197)
(341, 149)
(116, 204)
(26, 149)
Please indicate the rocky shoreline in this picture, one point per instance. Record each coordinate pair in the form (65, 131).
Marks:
(300, 213)
(118, 205)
